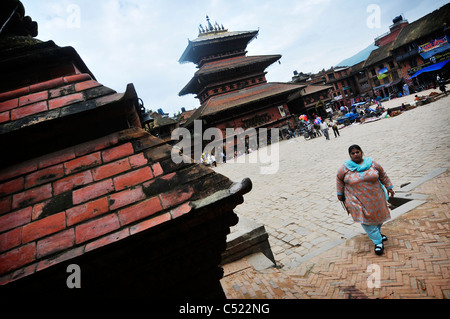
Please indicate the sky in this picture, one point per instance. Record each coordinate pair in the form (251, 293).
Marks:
(141, 41)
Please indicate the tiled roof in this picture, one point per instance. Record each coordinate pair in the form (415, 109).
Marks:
(233, 63)
(214, 43)
(221, 35)
(249, 95)
(38, 99)
(60, 101)
(433, 22)
(379, 55)
(222, 69)
(186, 115)
(311, 89)
(159, 120)
(253, 94)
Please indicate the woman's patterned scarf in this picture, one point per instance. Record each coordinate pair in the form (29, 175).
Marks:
(364, 166)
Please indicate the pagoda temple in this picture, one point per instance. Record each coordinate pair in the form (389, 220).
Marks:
(232, 87)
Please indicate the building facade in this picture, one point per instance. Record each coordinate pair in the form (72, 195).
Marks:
(422, 48)
(409, 54)
(345, 88)
(382, 72)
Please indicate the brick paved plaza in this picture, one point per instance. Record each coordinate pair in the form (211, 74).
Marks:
(320, 252)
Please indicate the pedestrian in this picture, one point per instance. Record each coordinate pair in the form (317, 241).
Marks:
(316, 129)
(361, 186)
(324, 129)
(335, 128)
(378, 99)
(203, 159)
(224, 157)
(213, 161)
(442, 87)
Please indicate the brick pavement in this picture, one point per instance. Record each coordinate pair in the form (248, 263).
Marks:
(415, 263)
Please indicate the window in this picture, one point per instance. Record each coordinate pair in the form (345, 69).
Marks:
(281, 110)
(395, 76)
(411, 47)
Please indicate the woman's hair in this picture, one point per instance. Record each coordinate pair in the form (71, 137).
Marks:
(354, 147)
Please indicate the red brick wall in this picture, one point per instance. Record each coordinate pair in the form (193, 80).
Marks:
(44, 96)
(81, 198)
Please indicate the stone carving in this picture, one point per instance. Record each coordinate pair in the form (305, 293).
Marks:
(13, 21)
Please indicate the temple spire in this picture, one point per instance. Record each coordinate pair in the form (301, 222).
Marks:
(210, 28)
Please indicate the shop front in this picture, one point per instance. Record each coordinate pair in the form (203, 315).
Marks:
(436, 54)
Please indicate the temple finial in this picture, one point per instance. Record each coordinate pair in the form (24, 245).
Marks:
(200, 29)
(209, 28)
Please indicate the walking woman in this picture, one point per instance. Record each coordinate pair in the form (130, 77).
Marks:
(363, 187)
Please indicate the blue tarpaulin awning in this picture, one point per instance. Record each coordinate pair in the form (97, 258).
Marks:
(431, 68)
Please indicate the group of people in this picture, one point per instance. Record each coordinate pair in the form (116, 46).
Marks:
(325, 125)
(208, 160)
(319, 126)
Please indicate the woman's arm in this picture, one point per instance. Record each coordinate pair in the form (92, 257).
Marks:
(384, 179)
(340, 185)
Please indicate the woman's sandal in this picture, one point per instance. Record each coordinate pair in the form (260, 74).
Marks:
(383, 237)
(379, 249)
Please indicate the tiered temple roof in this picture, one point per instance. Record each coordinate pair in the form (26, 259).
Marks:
(227, 78)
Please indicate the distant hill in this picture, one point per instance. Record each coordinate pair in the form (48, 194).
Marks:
(358, 57)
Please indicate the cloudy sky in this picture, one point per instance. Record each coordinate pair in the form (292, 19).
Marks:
(141, 41)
